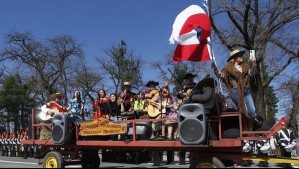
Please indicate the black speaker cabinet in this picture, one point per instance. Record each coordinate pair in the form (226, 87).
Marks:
(61, 128)
(143, 130)
(192, 123)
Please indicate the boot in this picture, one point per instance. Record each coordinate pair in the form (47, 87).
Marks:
(245, 123)
(250, 123)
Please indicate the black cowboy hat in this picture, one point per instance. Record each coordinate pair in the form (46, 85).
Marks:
(207, 81)
(189, 75)
(235, 53)
(151, 82)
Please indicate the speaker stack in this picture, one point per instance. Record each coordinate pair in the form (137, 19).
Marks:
(61, 128)
(192, 123)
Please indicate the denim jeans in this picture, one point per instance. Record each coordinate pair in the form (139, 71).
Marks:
(249, 104)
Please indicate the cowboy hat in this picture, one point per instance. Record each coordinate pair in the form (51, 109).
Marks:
(127, 84)
(53, 96)
(235, 53)
(207, 81)
(151, 82)
(189, 75)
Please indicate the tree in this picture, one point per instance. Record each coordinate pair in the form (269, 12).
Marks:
(121, 65)
(291, 88)
(271, 104)
(262, 26)
(86, 80)
(15, 101)
(51, 63)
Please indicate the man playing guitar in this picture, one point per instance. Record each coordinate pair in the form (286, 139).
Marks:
(53, 107)
(186, 91)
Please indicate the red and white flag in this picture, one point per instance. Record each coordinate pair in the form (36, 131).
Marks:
(191, 31)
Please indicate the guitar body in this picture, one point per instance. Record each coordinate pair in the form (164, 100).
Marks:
(153, 111)
(47, 113)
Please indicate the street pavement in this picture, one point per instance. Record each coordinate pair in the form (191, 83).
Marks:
(15, 162)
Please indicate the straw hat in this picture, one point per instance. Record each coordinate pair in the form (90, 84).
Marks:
(53, 96)
(127, 84)
(235, 53)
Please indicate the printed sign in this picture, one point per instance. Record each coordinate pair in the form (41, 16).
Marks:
(102, 127)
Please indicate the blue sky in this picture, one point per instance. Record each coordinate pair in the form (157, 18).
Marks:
(145, 25)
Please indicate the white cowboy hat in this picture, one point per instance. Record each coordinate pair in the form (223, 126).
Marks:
(127, 84)
(235, 53)
(53, 96)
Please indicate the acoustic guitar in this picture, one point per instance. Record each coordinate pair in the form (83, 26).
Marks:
(153, 111)
(47, 113)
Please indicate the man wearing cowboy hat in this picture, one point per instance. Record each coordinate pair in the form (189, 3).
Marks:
(57, 103)
(127, 96)
(236, 76)
(153, 91)
(204, 93)
(187, 89)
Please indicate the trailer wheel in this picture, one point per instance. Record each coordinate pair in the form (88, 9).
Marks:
(53, 160)
(206, 162)
(90, 160)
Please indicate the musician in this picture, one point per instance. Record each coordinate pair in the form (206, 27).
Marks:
(5, 144)
(264, 148)
(102, 97)
(204, 93)
(286, 141)
(117, 108)
(187, 89)
(25, 147)
(182, 96)
(153, 92)
(48, 111)
(76, 106)
(127, 96)
(1, 144)
(168, 107)
(57, 103)
(139, 106)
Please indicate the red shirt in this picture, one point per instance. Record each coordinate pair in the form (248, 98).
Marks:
(55, 105)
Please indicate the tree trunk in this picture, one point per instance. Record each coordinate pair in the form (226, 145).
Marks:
(259, 100)
(295, 111)
(258, 94)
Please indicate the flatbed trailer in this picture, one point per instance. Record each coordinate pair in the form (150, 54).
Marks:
(220, 152)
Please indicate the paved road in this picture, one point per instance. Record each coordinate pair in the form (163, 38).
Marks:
(15, 162)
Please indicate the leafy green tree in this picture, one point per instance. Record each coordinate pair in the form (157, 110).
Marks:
(271, 103)
(15, 102)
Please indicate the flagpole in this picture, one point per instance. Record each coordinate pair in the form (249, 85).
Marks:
(210, 47)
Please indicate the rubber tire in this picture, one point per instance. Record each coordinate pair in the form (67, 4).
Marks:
(57, 156)
(90, 160)
(206, 162)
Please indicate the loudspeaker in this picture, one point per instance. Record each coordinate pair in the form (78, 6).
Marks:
(192, 123)
(61, 128)
(143, 130)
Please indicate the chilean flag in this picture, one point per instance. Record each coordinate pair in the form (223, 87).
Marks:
(191, 30)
